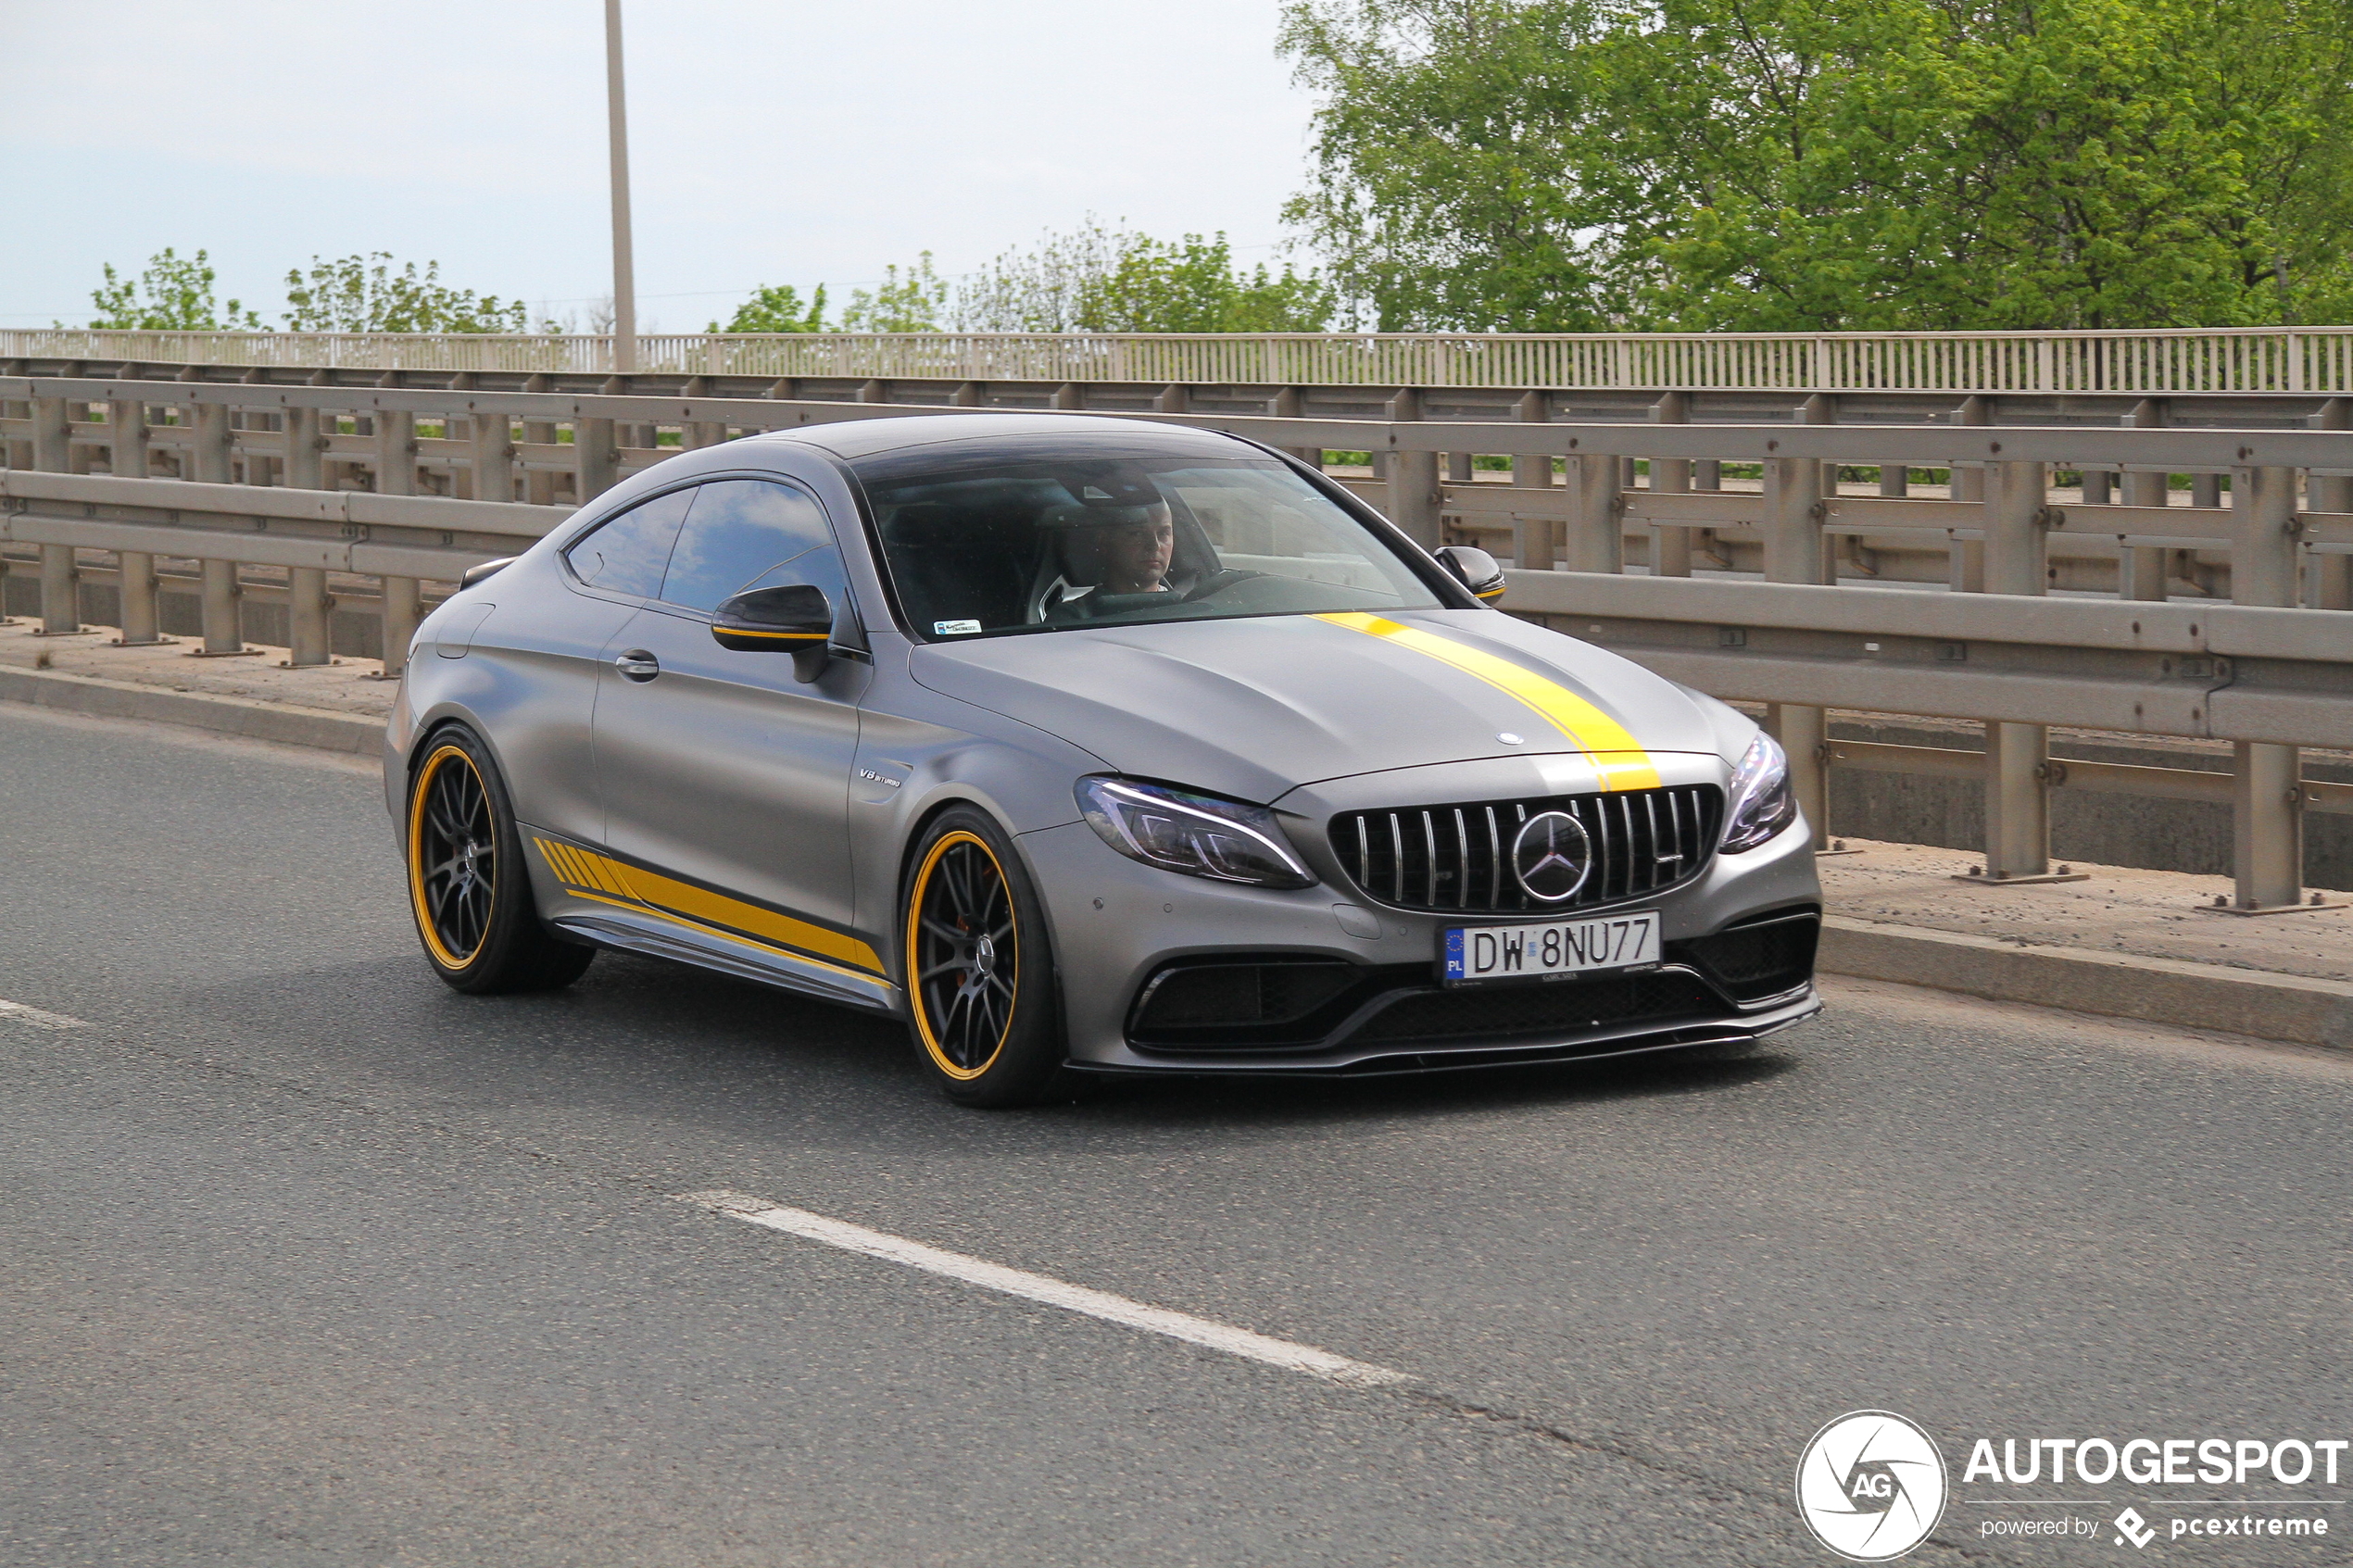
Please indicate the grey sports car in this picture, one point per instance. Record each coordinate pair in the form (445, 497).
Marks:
(1086, 745)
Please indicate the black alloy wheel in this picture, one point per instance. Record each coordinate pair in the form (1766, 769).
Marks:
(980, 984)
(456, 856)
(468, 889)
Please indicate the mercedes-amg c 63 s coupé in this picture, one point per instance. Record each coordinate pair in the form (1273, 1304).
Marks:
(1082, 745)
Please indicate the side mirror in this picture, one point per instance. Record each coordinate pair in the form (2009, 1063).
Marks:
(1475, 569)
(795, 620)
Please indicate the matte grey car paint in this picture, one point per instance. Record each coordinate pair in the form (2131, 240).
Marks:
(726, 772)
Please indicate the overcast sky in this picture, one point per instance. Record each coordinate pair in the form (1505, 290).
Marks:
(773, 141)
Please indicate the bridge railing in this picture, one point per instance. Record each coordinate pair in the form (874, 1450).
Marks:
(1765, 572)
(2186, 361)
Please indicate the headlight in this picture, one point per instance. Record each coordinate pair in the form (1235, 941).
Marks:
(1198, 834)
(1761, 802)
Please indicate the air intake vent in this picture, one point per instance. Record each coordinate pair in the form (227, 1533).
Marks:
(1459, 858)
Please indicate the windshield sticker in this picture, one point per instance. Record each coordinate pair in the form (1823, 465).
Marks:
(954, 628)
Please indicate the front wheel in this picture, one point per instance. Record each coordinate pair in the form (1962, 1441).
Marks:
(980, 978)
(467, 888)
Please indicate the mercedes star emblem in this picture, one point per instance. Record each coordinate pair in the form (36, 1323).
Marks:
(1551, 856)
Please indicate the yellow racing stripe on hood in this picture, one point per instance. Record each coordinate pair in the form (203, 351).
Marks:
(1616, 753)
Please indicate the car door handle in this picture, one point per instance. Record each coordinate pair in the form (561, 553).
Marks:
(638, 665)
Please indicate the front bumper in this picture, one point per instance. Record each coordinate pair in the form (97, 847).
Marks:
(1116, 924)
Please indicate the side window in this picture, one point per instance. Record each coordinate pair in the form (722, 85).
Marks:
(627, 554)
(746, 533)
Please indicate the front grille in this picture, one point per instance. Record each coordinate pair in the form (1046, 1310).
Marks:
(1447, 857)
(1522, 1011)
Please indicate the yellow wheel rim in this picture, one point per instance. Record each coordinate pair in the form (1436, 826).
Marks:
(962, 955)
(453, 856)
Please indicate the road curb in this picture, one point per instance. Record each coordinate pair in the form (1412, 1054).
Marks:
(204, 710)
(2298, 1009)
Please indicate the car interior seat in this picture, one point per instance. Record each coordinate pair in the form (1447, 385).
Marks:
(955, 563)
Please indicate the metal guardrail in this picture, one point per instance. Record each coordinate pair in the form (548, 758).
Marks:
(2192, 361)
(2266, 673)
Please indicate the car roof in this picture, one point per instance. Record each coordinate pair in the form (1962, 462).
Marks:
(852, 439)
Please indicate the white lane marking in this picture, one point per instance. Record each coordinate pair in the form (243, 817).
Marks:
(38, 1019)
(1053, 1292)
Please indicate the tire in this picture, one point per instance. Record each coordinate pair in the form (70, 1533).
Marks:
(468, 890)
(968, 914)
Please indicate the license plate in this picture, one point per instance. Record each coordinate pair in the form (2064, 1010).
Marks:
(1482, 954)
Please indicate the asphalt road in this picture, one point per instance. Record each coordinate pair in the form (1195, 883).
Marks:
(304, 1259)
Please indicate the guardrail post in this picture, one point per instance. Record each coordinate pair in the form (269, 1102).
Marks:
(1965, 570)
(1672, 547)
(2267, 816)
(307, 608)
(2140, 569)
(494, 457)
(2018, 816)
(2266, 827)
(1793, 519)
(52, 435)
(304, 470)
(60, 591)
(595, 457)
(2332, 574)
(403, 608)
(395, 453)
(209, 460)
(2140, 572)
(1413, 478)
(1596, 538)
(1794, 553)
(1894, 481)
(540, 484)
(223, 628)
(136, 577)
(127, 438)
(1533, 469)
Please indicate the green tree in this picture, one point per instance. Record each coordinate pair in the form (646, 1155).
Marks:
(1193, 286)
(1098, 279)
(1820, 164)
(777, 310)
(173, 294)
(348, 296)
(912, 303)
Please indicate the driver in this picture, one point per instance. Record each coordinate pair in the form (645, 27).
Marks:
(1113, 544)
(1124, 549)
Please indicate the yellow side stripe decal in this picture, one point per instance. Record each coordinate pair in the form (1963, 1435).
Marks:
(683, 902)
(1619, 757)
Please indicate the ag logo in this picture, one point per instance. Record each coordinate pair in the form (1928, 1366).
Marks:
(1871, 1486)
(1551, 855)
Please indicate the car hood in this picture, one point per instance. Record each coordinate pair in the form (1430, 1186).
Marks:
(1253, 707)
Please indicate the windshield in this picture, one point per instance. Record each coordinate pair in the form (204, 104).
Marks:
(981, 543)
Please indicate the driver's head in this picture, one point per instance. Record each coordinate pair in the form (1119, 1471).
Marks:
(1130, 555)
(1119, 536)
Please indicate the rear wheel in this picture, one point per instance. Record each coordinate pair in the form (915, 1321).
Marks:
(467, 888)
(980, 979)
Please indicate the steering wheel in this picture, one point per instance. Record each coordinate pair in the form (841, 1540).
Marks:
(1217, 582)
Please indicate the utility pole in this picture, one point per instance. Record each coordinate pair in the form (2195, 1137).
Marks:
(625, 269)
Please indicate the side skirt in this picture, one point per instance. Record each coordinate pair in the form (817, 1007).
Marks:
(657, 938)
(593, 897)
